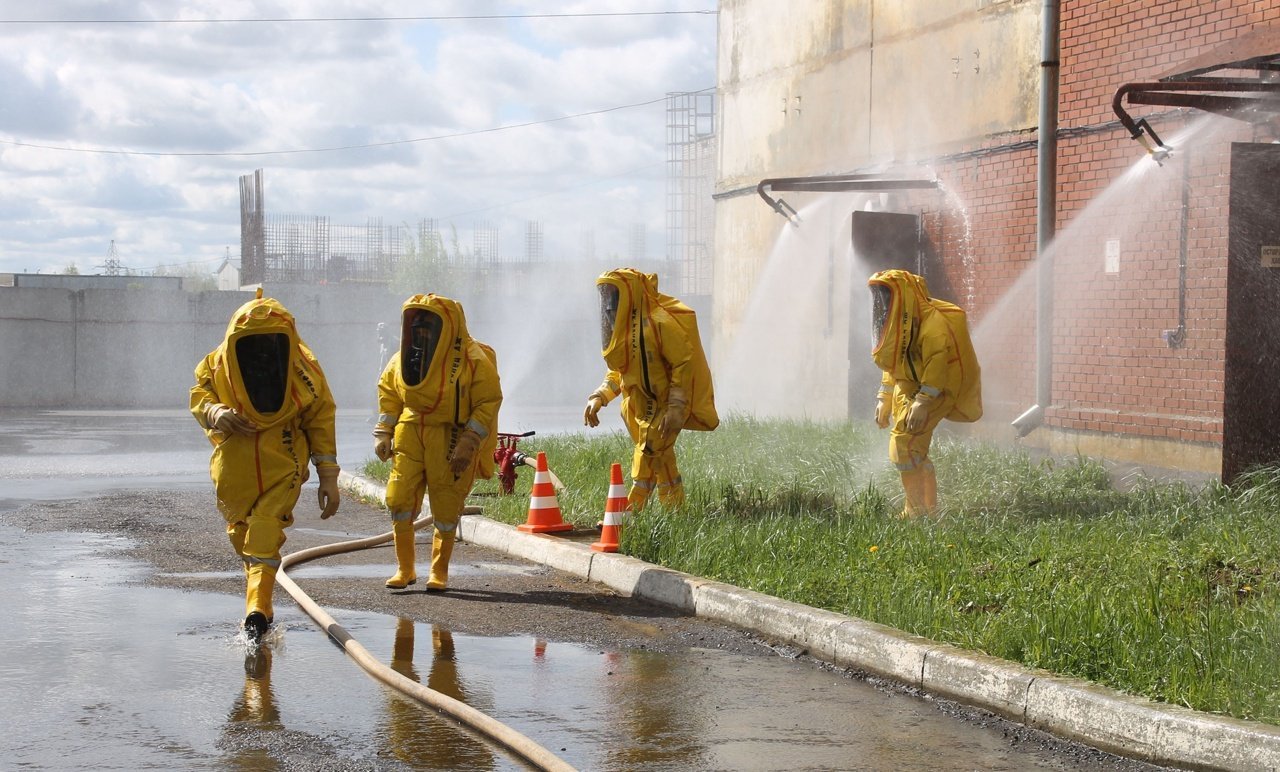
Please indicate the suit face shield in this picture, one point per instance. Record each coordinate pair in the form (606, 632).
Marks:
(608, 312)
(263, 363)
(420, 341)
(881, 300)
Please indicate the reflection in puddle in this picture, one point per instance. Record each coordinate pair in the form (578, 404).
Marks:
(254, 710)
(416, 735)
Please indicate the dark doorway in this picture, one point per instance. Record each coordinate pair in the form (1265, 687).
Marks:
(1251, 397)
(881, 240)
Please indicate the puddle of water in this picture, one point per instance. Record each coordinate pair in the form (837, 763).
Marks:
(67, 443)
(102, 674)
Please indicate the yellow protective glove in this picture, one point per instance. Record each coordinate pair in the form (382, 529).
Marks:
(590, 415)
(677, 411)
(883, 405)
(918, 413)
(226, 420)
(464, 453)
(382, 444)
(328, 493)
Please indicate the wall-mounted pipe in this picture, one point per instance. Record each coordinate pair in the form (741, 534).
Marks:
(1046, 212)
(835, 183)
(1177, 337)
(1258, 100)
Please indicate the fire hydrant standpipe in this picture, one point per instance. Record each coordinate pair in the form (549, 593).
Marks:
(488, 727)
(507, 458)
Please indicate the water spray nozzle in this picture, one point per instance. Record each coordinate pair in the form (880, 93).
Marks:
(1146, 135)
(786, 210)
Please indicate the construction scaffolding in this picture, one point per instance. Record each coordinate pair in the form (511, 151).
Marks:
(533, 244)
(691, 158)
(309, 249)
(636, 246)
(484, 237)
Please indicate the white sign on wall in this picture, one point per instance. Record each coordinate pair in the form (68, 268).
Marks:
(1111, 261)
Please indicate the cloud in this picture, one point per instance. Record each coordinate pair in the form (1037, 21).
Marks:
(34, 102)
(249, 89)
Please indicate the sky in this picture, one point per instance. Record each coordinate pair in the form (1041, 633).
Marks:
(136, 134)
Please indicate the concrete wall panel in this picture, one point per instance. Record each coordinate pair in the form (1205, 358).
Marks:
(944, 83)
(128, 348)
(37, 346)
(126, 344)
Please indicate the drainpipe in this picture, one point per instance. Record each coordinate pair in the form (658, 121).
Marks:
(1046, 211)
(1177, 337)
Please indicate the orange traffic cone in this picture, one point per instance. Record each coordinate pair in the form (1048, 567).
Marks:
(614, 507)
(544, 510)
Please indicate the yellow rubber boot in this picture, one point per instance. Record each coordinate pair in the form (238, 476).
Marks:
(913, 486)
(637, 497)
(929, 488)
(441, 552)
(405, 574)
(260, 582)
(671, 495)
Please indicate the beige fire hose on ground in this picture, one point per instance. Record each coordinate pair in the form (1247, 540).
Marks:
(465, 714)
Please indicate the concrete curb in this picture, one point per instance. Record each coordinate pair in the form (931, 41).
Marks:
(1066, 707)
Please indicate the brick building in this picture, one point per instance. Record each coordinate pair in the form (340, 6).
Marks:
(1148, 261)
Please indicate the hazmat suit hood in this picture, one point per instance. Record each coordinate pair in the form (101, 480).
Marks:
(433, 344)
(259, 351)
(924, 343)
(900, 300)
(632, 295)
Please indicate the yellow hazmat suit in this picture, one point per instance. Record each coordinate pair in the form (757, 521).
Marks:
(653, 352)
(438, 400)
(930, 372)
(265, 405)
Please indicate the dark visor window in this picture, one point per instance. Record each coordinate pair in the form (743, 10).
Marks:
(422, 337)
(263, 361)
(881, 297)
(608, 312)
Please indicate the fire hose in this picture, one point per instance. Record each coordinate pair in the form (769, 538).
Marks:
(491, 728)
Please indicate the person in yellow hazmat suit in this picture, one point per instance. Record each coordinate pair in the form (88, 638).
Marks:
(930, 372)
(438, 401)
(653, 352)
(265, 405)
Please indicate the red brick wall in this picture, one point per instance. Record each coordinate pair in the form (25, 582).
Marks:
(987, 240)
(1113, 371)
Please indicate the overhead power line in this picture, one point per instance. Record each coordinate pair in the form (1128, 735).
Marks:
(389, 143)
(461, 17)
